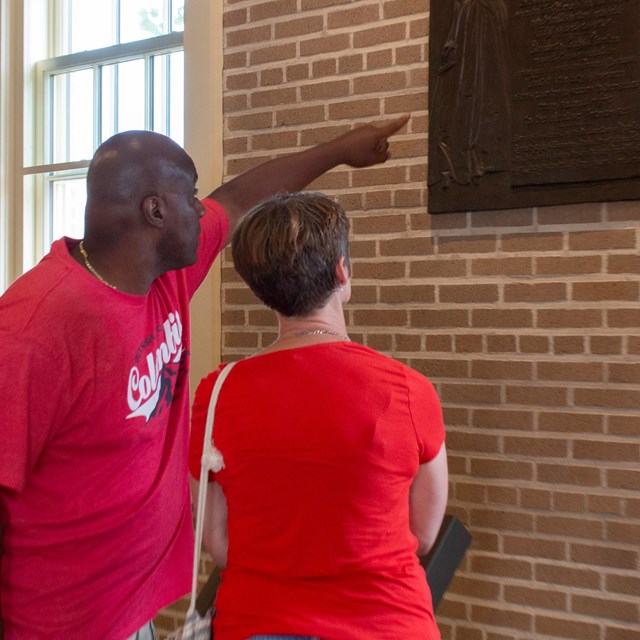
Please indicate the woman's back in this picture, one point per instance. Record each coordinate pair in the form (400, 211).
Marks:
(321, 444)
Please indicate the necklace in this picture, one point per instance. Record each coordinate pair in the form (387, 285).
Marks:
(89, 266)
(313, 332)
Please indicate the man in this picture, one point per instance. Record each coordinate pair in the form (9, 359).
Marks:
(94, 358)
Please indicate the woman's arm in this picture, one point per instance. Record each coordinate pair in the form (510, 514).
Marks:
(214, 534)
(428, 500)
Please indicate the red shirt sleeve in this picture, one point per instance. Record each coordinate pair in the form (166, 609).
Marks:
(426, 413)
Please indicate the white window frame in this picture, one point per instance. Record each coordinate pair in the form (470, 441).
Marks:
(45, 170)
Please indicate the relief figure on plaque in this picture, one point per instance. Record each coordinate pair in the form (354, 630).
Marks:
(470, 107)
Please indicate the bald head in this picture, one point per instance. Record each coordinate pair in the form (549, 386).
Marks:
(127, 168)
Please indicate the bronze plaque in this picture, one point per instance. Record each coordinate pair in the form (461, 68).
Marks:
(533, 102)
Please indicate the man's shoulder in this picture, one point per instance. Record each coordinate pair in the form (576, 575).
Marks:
(42, 292)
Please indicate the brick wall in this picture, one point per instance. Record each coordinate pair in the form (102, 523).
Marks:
(526, 320)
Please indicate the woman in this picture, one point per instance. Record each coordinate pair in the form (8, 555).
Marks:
(335, 466)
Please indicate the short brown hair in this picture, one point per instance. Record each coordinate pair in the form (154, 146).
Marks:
(287, 248)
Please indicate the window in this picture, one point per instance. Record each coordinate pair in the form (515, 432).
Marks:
(109, 66)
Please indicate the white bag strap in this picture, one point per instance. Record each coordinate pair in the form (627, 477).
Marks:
(211, 460)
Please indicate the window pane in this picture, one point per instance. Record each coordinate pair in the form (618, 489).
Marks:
(168, 95)
(131, 95)
(68, 198)
(141, 19)
(60, 118)
(108, 75)
(177, 8)
(72, 124)
(93, 25)
(160, 94)
(176, 97)
(81, 115)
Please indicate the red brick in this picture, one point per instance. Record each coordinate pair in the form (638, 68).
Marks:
(571, 214)
(501, 469)
(501, 369)
(623, 263)
(563, 345)
(273, 53)
(601, 291)
(623, 425)
(535, 447)
(534, 547)
(507, 419)
(569, 474)
(503, 218)
(380, 83)
(501, 567)
(624, 479)
(465, 294)
(471, 393)
(605, 345)
(568, 265)
(575, 318)
(571, 422)
(375, 36)
(502, 617)
(438, 343)
(538, 395)
(438, 369)
(274, 9)
(439, 318)
(607, 398)
(534, 344)
(466, 245)
(567, 628)
(536, 292)
(625, 584)
(374, 270)
(624, 318)
(437, 268)
(570, 576)
(502, 318)
(571, 371)
(606, 451)
(629, 632)
(468, 343)
(604, 556)
(501, 343)
(606, 240)
(502, 266)
(530, 242)
(293, 28)
(538, 598)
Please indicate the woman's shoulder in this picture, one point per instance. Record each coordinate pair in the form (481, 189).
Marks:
(366, 356)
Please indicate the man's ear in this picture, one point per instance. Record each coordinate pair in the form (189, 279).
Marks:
(342, 271)
(153, 211)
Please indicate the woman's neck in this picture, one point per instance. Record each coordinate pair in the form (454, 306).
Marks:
(325, 325)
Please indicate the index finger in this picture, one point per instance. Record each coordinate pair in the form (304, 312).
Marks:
(390, 128)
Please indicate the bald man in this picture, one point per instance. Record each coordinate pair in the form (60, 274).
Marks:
(95, 510)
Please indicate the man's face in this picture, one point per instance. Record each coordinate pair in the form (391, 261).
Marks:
(182, 232)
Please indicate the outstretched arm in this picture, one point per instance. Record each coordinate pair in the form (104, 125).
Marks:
(363, 146)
